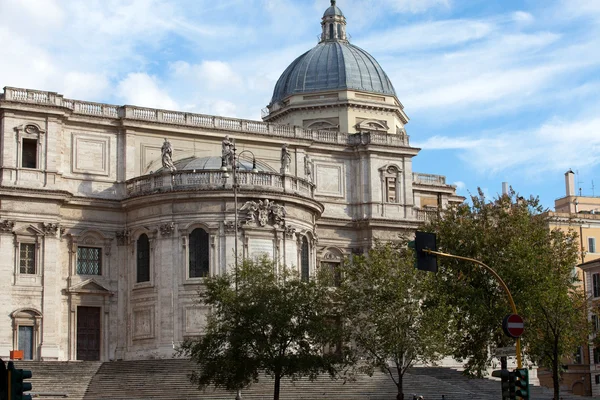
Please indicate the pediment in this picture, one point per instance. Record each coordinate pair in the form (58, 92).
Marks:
(90, 286)
(29, 230)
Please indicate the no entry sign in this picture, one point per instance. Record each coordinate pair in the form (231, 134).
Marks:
(513, 325)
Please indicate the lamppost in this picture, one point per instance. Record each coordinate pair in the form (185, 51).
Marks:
(234, 160)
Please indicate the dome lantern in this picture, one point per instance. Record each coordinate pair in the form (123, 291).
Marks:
(333, 24)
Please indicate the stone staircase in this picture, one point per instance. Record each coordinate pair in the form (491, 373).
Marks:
(53, 379)
(168, 380)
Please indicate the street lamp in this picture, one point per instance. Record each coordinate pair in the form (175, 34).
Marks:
(234, 159)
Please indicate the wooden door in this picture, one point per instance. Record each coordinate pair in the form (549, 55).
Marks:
(88, 333)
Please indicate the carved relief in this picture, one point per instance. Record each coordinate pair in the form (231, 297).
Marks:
(166, 229)
(32, 129)
(50, 228)
(122, 237)
(7, 226)
(264, 212)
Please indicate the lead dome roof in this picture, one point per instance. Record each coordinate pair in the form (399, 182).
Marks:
(333, 64)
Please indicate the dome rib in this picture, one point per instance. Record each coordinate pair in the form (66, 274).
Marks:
(315, 71)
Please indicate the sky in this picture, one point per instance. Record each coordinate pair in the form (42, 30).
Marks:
(496, 91)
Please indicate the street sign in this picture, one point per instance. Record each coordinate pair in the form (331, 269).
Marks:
(510, 351)
(513, 325)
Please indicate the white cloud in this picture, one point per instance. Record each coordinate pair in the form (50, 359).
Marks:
(460, 185)
(523, 17)
(85, 85)
(554, 146)
(429, 36)
(143, 90)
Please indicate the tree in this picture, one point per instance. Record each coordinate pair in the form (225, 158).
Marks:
(512, 236)
(274, 324)
(392, 320)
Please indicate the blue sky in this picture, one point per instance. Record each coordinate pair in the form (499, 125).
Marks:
(497, 91)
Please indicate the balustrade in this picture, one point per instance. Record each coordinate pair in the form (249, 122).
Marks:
(189, 119)
(192, 180)
(428, 179)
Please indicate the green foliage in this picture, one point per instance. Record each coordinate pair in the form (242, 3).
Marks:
(390, 315)
(275, 324)
(512, 236)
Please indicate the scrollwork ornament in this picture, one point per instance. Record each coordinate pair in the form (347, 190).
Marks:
(289, 231)
(50, 228)
(7, 226)
(229, 226)
(166, 229)
(122, 237)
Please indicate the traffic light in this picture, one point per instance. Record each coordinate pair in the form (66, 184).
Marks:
(16, 386)
(3, 381)
(425, 261)
(522, 383)
(507, 379)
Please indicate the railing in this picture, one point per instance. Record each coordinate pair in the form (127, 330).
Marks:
(425, 215)
(214, 180)
(428, 179)
(199, 120)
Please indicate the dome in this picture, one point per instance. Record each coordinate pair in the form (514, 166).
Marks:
(214, 163)
(333, 65)
(333, 10)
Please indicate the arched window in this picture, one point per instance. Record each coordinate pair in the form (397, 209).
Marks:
(198, 267)
(143, 258)
(339, 29)
(330, 31)
(304, 264)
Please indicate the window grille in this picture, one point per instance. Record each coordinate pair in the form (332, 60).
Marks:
(143, 259)
(27, 258)
(89, 261)
(198, 253)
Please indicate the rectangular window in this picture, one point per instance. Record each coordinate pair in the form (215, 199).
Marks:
(597, 377)
(27, 258)
(595, 322)
(596, 355)
(596, 285)
(591, 245)
(29, 154)
(391, 189)
(89, 261)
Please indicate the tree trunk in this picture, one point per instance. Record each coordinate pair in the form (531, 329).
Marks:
(399, 385)
(555, 377)
(277, 387)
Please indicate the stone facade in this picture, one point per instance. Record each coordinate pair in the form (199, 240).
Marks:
(112, 216)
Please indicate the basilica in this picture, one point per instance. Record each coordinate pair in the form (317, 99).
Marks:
(112, 216)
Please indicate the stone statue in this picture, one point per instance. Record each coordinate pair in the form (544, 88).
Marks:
(251, 208)
(167, 156)
(286, 158)
(227, 151)
(308, 168)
